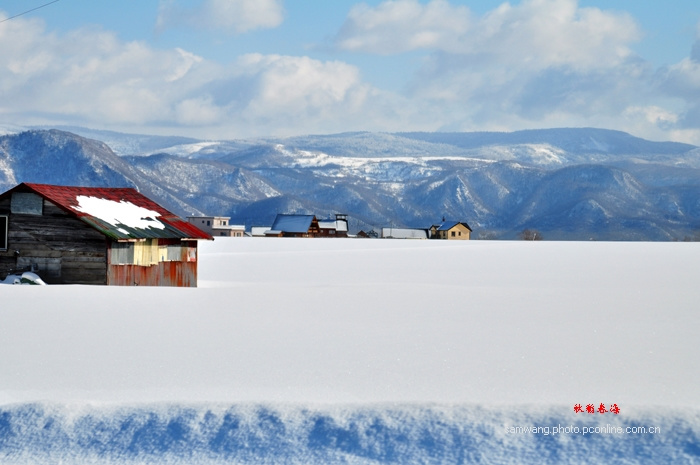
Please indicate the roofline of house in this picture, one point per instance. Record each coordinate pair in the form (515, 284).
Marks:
(87, 219)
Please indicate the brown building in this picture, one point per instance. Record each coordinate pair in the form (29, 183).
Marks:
(85, 235)
(294, 226)
(337, 227)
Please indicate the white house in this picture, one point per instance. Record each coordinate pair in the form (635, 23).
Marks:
(217, 226)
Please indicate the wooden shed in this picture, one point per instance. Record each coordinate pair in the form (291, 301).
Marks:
(86, 235)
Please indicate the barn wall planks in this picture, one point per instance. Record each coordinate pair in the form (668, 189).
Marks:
(60, 247)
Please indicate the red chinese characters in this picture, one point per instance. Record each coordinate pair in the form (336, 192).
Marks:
(591, 408)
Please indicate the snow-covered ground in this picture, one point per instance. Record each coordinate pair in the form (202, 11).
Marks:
(430, 327)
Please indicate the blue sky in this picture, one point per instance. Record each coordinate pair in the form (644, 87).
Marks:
(248, 68)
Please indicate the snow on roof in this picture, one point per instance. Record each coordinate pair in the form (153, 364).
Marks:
(292, 223)
(119, 213)
(338, 225)
(259, 230)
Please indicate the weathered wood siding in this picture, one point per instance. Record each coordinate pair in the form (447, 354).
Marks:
(62, 248)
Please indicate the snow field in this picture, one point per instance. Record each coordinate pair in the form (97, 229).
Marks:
(364, 321)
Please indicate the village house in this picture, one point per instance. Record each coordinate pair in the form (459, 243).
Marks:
(217, 226)
(337, 227)
(451, 230)
(87, 235)
(294, 226)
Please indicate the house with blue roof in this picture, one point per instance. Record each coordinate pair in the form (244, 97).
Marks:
(294, 226)
(451, 230)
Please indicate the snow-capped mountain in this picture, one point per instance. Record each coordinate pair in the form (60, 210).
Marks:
(567, 183)
(58, 157)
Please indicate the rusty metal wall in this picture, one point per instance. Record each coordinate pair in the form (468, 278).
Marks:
(177, 270)
(181, 274)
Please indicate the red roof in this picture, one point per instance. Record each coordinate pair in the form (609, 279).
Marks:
(66, 197)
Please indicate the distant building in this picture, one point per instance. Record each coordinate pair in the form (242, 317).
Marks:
(294, 226)
(404, 233)
(337, 227)
(217, 226)
(371, 234)
(88, 235)
(259, 231)
(451, 230)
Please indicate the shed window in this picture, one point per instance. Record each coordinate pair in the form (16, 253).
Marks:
(3, 232)
(26, 203)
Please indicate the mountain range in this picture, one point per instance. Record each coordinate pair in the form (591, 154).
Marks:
(568, 183)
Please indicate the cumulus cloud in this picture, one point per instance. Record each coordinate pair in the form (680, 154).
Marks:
(537, 33)
(540, 63)
(88, 73)
(536, 63)
(403, 25)
(234, 16)
(652, 114)
(303, 95)
(89, 77)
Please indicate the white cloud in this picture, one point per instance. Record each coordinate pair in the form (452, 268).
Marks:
(652, 114)
(535, 33)
(302, 95)
(682, 79)
(537, 63)
(402, 25)
(543, 33)
(235, 16)
(198, 112)
(541, 63)
(89, 77)
(292, 83)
